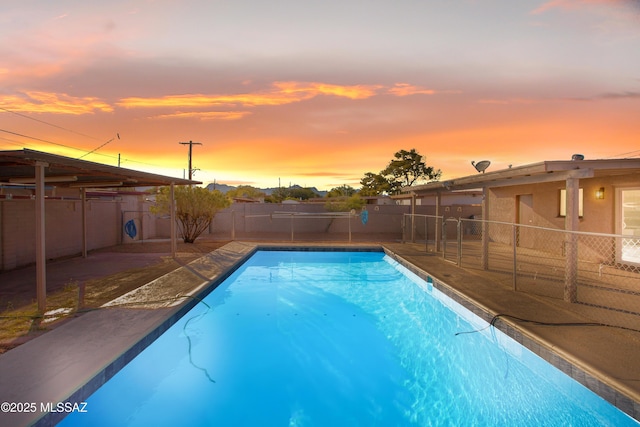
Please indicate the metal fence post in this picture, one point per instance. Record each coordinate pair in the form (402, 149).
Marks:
(459, 237)
(514, 237)
(484, 245)
(444, 239)
(291, 226)
(413, 228)
(426, 235)
(233, 225)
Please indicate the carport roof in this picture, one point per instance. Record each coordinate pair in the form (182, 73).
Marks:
(547, 171)
(17, 166)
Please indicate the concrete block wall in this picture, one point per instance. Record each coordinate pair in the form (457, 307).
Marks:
(106, 219)
(103, 224)
(63, 227)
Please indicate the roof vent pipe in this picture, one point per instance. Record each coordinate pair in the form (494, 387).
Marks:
(577, 157)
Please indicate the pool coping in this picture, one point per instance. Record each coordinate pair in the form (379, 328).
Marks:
(216, 267)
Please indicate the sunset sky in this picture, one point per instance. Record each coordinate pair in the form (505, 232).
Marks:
(317, 93)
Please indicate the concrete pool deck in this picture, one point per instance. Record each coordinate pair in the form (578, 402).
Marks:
(70, 362)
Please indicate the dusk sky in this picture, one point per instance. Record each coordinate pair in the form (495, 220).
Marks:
(317, 93)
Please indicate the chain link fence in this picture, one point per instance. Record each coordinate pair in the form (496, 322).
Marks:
(597, 270)
(303, 223)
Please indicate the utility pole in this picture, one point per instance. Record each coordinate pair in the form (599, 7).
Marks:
(190, 144)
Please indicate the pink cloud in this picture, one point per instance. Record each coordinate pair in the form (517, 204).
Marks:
(572, 4)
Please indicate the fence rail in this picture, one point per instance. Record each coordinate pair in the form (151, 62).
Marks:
(261, 223)
(295, 216)
(593, 269)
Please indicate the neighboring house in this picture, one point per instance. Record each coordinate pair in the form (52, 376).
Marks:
(247, 200)
(452, 198)
(598, 196)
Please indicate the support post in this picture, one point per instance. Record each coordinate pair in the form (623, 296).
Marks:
(84, 222)
(514, 255)
(437, 229)
(484, 244)
(413, 217)
(41, 272)
(571, 225)
(174, 243)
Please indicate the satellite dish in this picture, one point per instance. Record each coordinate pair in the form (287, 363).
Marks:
(481, 166)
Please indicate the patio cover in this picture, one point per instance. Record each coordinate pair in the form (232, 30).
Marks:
(569, 171)
(35, 167)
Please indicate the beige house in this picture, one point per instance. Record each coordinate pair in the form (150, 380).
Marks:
(599, 196)
(578, 196)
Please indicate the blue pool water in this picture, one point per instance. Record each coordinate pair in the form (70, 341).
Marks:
(337, 339)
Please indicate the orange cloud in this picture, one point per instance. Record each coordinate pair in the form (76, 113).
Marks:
(45, 102)
(282, 93)
(510, 101)
(206, 115)
(310, 90)
(405, 89)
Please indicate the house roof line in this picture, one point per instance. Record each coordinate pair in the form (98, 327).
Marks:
(546, 171)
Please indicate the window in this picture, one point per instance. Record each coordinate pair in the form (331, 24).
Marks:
(563, 203)
(629, 225)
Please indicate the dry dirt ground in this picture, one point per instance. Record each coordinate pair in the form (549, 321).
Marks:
(19, 319)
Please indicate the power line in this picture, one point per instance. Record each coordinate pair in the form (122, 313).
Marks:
(48, 124)
(39, 139)
(12, 141)
(634, 152)
(97, 148)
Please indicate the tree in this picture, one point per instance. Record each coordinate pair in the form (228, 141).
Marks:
(344, 203)
(404, 170)
(300, 193)
(409, 167)
(342, 191)
(374, 184)
(291, 193)
(245, 191)
(195, 208)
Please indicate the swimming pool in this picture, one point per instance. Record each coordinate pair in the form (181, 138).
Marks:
(337, 339)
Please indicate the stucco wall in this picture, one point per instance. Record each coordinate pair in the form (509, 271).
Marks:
(63, 227)
(599, 215)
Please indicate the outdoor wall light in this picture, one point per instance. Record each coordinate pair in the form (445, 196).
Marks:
(600, 193)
